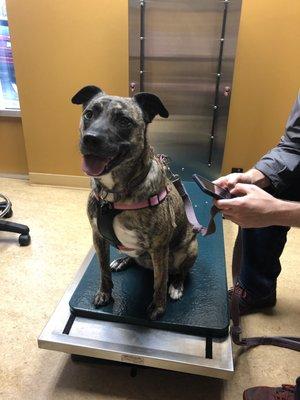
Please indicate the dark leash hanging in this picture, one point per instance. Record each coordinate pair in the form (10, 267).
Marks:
(288, 342)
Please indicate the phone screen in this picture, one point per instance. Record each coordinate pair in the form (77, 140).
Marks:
(211, 189)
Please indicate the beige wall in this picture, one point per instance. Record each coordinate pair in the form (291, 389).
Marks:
(266, 81)
(58, 47)
(12, 147)
(63, 45)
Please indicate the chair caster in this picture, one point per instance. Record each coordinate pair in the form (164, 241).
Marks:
(9, 214)
(24, 240)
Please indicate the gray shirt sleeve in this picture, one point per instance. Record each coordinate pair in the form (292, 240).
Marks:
(282, 164)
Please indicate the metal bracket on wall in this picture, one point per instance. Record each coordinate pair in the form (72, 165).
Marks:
(142, 44)
(217, 85)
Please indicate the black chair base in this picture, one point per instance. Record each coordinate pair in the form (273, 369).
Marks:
(7, 226)
(24, 238)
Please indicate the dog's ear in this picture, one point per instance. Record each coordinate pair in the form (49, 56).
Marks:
(151, 105)
(85, 94)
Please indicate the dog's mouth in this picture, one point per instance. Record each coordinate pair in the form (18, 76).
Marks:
(96, 166)
(93, 165)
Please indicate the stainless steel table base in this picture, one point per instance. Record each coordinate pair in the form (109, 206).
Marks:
(134, 344)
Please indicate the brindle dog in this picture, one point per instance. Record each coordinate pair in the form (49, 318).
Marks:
(116, 153)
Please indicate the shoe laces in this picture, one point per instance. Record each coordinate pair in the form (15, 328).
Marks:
(284, 393)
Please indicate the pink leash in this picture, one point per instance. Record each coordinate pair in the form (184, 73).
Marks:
(190, 213)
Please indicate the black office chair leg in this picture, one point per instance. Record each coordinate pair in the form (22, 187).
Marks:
(24, 238)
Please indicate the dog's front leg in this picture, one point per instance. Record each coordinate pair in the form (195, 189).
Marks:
(103, 296)
(160, 261)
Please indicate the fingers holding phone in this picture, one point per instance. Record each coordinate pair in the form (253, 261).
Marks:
(213, 190)
(252, 177)
(253, 207)
(230, 181)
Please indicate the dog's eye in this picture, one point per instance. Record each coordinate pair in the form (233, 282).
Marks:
(124, 122)
(88, 115)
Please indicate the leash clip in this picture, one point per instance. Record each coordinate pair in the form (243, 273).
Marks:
(105, 205)
(166, 161)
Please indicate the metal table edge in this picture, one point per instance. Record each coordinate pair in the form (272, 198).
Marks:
(52, 338)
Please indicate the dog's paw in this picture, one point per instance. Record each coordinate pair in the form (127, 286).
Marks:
(176, 292)
(154, 311)
(102, 299)
(120, 264)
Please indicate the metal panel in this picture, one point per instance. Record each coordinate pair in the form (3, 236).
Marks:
(133, 344)
(180, 42)
(228, 59)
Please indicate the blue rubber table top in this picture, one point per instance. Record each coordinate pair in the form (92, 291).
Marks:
(202, 311)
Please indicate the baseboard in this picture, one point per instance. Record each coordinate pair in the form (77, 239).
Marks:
(14, 176)
(59, 180)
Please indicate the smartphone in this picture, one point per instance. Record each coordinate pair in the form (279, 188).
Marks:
(217, 192)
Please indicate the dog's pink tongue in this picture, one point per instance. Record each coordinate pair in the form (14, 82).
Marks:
(93, 165)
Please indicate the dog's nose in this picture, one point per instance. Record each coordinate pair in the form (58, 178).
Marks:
(91, 140)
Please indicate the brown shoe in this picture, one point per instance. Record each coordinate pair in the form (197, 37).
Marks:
(285, 392)
(247, 303)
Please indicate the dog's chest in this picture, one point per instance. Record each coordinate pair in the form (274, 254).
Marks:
(127, 237)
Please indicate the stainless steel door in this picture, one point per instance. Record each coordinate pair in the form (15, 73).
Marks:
(183, 51)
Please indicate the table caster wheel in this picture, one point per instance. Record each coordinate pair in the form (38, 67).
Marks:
(24, 240)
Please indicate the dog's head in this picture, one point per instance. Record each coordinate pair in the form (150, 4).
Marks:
(112, 128)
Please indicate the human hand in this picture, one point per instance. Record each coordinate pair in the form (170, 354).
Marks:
(229, 181)
(255, 209)
(253, 176)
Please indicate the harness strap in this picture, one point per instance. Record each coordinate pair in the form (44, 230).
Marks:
(105, 217)
(288, 342)
(107, 211)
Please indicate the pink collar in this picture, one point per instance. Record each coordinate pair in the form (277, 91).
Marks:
(152, 201)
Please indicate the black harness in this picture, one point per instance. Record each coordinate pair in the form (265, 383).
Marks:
(106, 211)
(105, 218)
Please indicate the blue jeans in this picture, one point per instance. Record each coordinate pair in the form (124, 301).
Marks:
(260, 265)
